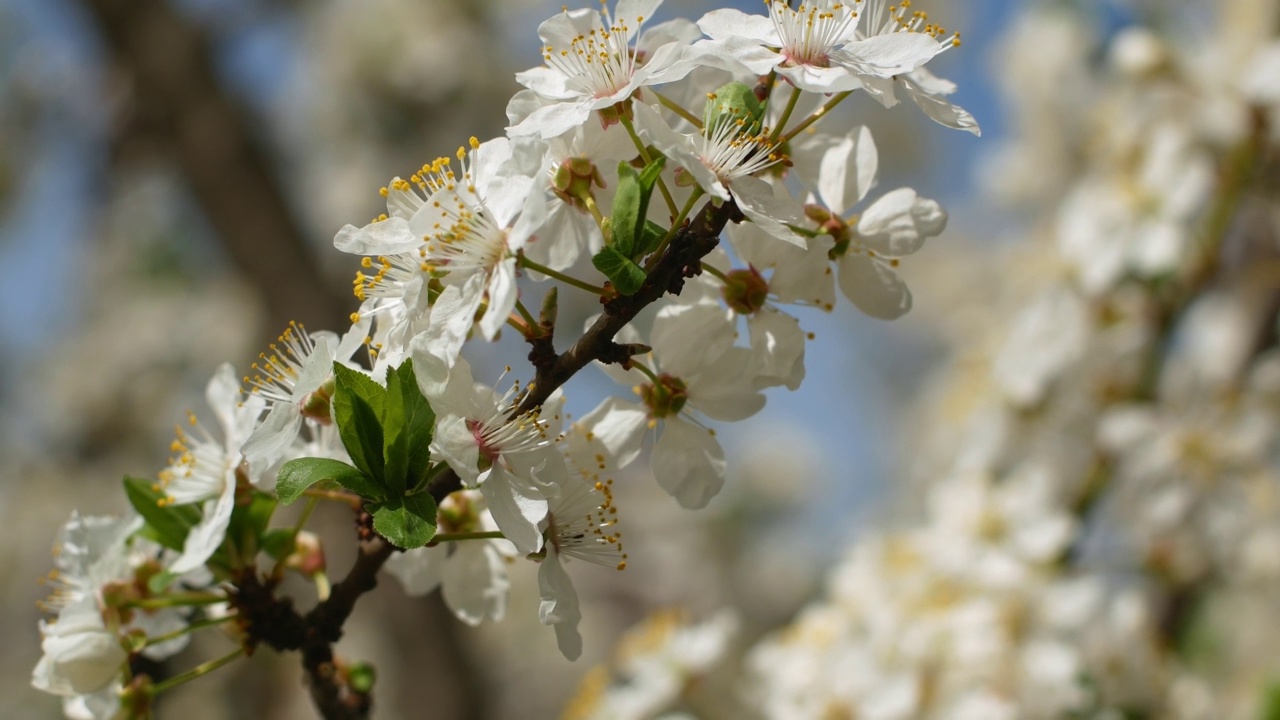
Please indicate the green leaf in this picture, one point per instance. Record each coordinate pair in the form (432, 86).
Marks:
(648, 178)
(650, 238)
(625, 275)
(407, 522)
(628, 208)
(167, 525)
(298, 475)
(407, 423)
(1269, 708)
(358, 403)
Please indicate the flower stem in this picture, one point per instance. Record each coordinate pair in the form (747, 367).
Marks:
(817, 115)
(197, 671)
(675, 227)
(528, 317)
(193, 627)
(707, 268)
(341, 496)
(179, 600)
(786, 115)
(644, 369)
(675, 107)
(648, 159)
(566, 279)
(455, 537)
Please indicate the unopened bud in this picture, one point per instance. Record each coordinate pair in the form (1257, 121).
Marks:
(316, 404)
(732, 102)
(308, 554)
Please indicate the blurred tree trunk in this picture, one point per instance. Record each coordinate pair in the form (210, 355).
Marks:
(176, 102)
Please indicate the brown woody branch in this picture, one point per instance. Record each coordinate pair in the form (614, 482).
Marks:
(274, 621)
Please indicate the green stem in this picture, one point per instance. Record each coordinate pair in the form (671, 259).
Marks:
(648, 160)
(341, 496)
(816, 116)
(178, 600)
(528, 317)
(706, 268)
(455, 537)
(193, 627)
(566, 279)
(644, 369)
(675, 107)
(310, 507)
(197, 671)
(786, 115)
(675, 227)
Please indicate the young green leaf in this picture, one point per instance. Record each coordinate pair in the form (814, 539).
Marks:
(628, 207)
(298, 475)
(648, 178)
(625, 275)
(168, 524)
(650, 238)
(407, 423)
(407, 522)
(358, 404)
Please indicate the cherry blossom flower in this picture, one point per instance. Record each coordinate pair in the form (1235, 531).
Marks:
(590, 64)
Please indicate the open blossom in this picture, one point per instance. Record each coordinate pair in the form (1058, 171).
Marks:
(869, 244)
(571, 167)
(580, 524)
(723, 160)
(694, 367)
(293, 380)
(205, 469)
(510, 459)
(592, 66)
(475, 222)
(821, 46)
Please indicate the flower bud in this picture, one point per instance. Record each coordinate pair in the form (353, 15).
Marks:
(732, 102)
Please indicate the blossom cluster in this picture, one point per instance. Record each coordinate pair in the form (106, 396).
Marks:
(627, 153)
(1100, 532)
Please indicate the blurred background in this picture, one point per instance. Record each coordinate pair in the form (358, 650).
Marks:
(172, 173)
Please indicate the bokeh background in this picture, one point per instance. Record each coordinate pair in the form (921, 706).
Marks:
(172, 173)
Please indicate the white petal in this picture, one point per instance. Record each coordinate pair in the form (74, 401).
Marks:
(475, 582)
(941, 111)
(207, 535)
(757, 201)
(385, 237)
(615, 426)
(899, 223)
(847, 170)
(688, 463)
(502, 298)
(727, 389)
(419, 570)
(873, 287)
(689, 337)
(454, 443)
(517, 507)
(731, 23)
(272, 438)
(778, 342)
(559, 605)
(892, 54)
